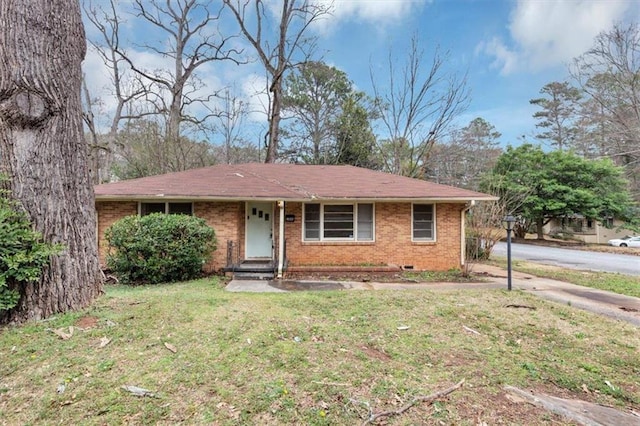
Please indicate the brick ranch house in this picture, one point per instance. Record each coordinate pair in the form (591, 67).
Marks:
(288, 217)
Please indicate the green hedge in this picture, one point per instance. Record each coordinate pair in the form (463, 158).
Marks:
(159, 248)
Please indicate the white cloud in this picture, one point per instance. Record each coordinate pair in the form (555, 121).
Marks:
(544, 34)
(95, 71)
(379, 12)
(254, 90)
(375, 11)
(505, 59)
(100, 86)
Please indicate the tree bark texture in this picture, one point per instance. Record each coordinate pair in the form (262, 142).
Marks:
(43, 152)
(274, 123)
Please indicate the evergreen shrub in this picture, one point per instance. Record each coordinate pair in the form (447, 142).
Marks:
(159, 248)
(23, 252)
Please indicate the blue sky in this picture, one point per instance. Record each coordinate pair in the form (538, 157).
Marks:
(509, 49)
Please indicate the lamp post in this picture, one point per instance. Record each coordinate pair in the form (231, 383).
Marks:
(507, 223)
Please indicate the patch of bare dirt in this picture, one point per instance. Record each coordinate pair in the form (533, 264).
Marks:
(380, 277)
(372, 352)
(86, 322)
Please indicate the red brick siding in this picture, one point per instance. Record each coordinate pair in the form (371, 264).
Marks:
(392, 244)
(110, 212)
(224, 218)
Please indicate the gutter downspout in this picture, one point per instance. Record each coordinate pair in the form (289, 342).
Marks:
(281, 240)
(463, 232)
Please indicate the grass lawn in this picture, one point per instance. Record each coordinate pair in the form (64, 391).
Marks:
(311, 358)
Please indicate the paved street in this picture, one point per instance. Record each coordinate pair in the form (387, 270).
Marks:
(575, 259)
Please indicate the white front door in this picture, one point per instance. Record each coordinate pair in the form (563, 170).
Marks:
(259, 230)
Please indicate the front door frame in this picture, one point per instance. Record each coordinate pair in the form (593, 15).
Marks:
(265, 252)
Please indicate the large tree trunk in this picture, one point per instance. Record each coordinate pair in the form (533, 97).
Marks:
(540, 228)
(42, 149)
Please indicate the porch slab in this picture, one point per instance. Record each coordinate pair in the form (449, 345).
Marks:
(252, 286)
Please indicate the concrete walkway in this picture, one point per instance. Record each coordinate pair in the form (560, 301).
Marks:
(623, 308)
(617, 306)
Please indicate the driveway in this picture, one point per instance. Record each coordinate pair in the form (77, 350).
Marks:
(623, 308)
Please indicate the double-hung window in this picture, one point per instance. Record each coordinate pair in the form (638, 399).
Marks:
(168, 208)
(424, 222)
(342, 222)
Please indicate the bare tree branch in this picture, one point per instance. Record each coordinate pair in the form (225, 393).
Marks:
(373, 417)
(277, 54)
(126, 89)
(416, 109)
(175, 92)
(609, 74)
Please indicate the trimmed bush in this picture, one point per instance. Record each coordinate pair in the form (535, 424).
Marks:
(23, 252)
(159, 248)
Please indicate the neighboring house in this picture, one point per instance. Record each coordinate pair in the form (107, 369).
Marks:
(304, 216)
(587, 230)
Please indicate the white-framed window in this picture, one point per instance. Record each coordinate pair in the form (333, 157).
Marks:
(423, 222)
(165, 207)
(338, 222)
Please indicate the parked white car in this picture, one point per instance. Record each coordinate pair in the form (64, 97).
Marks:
(627, 241)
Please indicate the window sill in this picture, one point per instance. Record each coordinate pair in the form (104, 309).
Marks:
(423, 243)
